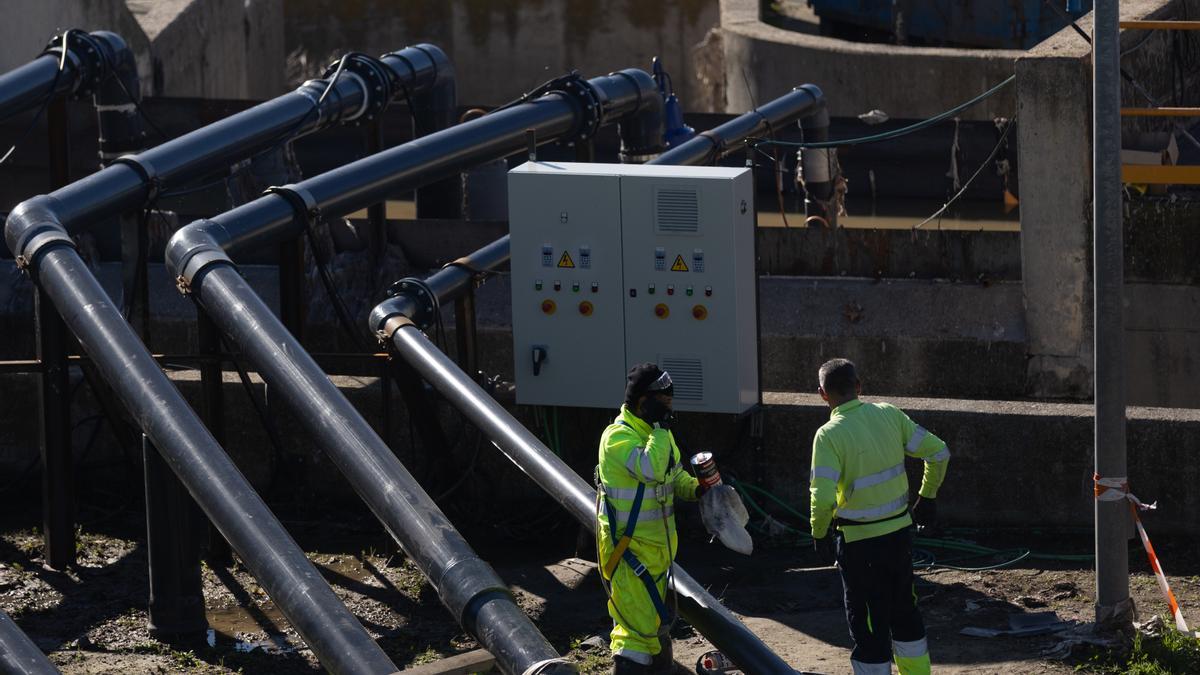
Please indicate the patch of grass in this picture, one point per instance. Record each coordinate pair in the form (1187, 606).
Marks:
(428, 656)
(587, 660)
(1172, 653)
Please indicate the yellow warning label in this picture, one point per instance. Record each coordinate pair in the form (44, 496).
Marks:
(565, 260)
(679, 265)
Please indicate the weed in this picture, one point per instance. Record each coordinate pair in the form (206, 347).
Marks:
(1172, 653)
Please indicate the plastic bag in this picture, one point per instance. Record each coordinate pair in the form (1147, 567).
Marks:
(725, 517)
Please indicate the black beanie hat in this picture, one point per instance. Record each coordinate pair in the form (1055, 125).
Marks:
(638, 383)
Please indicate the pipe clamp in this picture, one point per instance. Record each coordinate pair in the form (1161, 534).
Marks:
(144, 169)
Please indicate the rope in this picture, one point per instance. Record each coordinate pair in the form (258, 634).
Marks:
(888, 135)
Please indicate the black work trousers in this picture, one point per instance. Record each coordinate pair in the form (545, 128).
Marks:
(881, 601)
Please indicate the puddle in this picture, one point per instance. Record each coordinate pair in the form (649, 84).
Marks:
(245, 630)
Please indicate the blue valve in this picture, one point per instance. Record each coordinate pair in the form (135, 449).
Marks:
(676, 131)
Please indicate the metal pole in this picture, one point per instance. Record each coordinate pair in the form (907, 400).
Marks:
(18, 654)
(212, 411)
(58, 475)
(466, 333)
(176, 589)
(1113, 605)
(377, 212)
(291, 286)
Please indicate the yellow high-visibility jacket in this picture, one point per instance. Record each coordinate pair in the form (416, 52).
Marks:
(633, 452)
(858, 469)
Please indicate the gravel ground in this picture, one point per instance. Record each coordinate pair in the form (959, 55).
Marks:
(92, 619)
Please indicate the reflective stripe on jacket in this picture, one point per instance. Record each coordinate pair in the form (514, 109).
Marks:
(858, 469)
(633, 452)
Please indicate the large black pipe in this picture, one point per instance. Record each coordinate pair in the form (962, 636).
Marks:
(51, 74)
(708, 146)
(211, 477)
(37, 233)
(359, 93)
(399, 320)
(198, 255)
(576, 110)
(18, 654)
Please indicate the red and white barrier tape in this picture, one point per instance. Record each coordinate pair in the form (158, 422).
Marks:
(1117, 489)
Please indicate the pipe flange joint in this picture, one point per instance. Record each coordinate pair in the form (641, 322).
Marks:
(590, 101)
(147, 172)
(374, 76)
(86, 54)
(423, 299)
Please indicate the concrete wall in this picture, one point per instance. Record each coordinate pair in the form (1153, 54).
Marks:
(761, 61)
(1054, 136)
(1012, 464)
(200, 48)
(502, 49)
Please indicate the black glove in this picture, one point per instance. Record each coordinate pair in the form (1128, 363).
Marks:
(924, 513)
(655, 411)
(826, 549)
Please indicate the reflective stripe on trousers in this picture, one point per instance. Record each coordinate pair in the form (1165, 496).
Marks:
(861, 668)
(911, 648)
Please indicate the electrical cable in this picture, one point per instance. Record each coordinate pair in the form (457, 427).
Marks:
(887, 135)
(335, 298)
(991, 156)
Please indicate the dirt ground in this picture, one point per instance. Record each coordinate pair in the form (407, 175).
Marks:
(92, 619)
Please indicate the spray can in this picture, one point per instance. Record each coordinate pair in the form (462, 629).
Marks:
(706, 470)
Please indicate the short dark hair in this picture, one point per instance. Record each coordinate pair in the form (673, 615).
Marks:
(839, 378)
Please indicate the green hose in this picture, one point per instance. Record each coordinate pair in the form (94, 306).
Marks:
(972, 550)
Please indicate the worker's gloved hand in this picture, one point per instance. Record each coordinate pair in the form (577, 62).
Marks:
(655, 412)
(826, 548)
(924, 513)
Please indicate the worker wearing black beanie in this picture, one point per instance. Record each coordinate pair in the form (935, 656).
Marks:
(639, 477)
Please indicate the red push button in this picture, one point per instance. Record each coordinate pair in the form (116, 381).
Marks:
(662, 311)
(699, 312)
(548, 307)
(585, 308)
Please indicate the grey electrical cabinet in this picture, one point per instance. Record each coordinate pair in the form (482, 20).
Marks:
(616, 264)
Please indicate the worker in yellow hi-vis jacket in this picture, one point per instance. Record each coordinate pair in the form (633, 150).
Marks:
(640, 474)
(858, 484)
